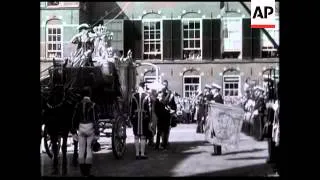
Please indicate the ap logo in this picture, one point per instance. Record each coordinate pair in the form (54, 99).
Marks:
(263, 13)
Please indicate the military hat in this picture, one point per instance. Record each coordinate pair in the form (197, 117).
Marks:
(207, 86)
(258, 88)
(83, 26)
(216, 86)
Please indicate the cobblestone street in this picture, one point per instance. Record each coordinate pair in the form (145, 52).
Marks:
(188, 155)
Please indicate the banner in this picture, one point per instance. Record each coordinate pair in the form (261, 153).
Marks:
(223, 125)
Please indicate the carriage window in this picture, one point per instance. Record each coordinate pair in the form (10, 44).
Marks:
(54, 42)
(232, 36)
(231, 85)
(191, 85)
(191, 31)
(152, 39)
(116, 27)
(268, 50)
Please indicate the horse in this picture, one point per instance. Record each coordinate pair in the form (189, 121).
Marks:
(57, 116)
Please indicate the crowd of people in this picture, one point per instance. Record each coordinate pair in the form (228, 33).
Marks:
(156, 109)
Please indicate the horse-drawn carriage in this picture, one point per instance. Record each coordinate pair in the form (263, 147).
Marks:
(92, 65)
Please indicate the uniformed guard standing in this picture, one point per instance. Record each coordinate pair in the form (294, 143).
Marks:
(140, 119)
(259, 113)
(217, 98)
(202, 107)
(165, 110)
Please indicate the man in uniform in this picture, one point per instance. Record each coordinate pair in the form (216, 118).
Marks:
(140, 118)
(259, 113)
(164, 110)
(202, 107)
(217, 98)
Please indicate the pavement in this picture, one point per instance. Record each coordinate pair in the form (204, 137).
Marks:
(188, 155)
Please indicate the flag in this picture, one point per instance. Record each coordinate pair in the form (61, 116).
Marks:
(223, 125)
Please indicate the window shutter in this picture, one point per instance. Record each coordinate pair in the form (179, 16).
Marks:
(128, 38)
(246, 39)
(167, 40)
(137, 51)
(176, 39)
(217, 38)
(256, 43)
(206, 39)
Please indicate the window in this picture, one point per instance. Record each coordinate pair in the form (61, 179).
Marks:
(54, 42)
(232, 33)
(268, 50)
(192, 40)
(56, 3)
(116, 27)
(231, 85)
(152, 39)
(191, 85)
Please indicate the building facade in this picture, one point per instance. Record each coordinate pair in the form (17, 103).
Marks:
(192, 43)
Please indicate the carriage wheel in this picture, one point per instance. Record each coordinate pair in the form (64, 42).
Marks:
(119, 137)
(48, 144)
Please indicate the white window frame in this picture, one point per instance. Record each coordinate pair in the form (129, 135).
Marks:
(122, 32)
(47, 41)
(272, 33)
(184, 85)
(161, 38)
(182, 29)
(228, 39)
(239, 85)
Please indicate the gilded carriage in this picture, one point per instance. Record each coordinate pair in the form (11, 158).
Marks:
(106, 74)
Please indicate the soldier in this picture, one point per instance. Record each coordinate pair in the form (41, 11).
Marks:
(202, 107)
(140, 118)
(164, 110)
(217, 98)
(259, 113)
